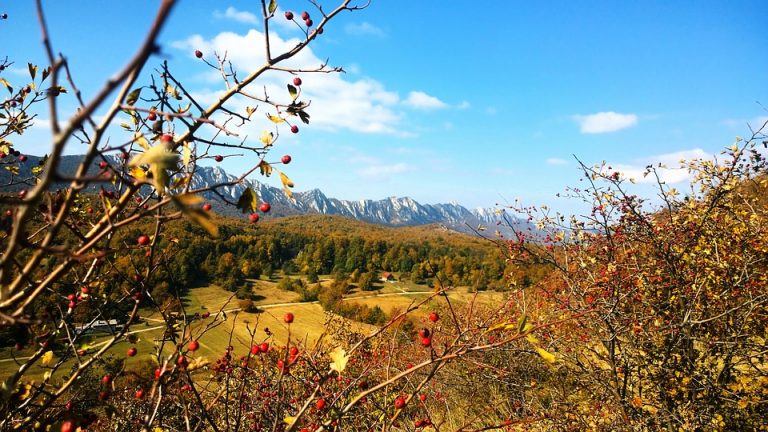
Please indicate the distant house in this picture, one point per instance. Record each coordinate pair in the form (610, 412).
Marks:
(387, 277)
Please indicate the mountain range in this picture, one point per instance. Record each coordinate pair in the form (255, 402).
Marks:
(392, 211)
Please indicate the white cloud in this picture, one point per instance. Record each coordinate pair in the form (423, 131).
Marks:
(673, 173)
(604, 122)
(361, 105)
(381, 170)
(363, 29)
(463, 105)
(422, 101)
(235, 15)
(556, 161)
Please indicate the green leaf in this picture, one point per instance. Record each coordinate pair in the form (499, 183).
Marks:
(133, 96)
(184, 203)
(32, 70)
(521, 325)
(272, 6)
(248, 201)
(293, 92)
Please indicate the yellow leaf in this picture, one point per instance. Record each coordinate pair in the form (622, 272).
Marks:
(140, 140)
(47, 358)
(186, 153)
(339, 359)
(275, 119)
(289, 420)
(137, 173)
(546, 355)
(266, 138)
(286, 181)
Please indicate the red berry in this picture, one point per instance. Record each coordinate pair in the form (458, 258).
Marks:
(422, 397)
(305, 15)
(433, 316)
(297, 81)
(281, 366)
(23, 158)
(253, 217)
(295, 129)
(198, 54)
(102, 164)
(68, 406)
(139, 394)
(19, 347)
(255, 349)
(167, 138)
(103, 396)
(288, 317)
(158, 373)
(426, 341)
(186, 388)
(418, 423)
(424, 333)
(308, 22)
(320, 404)
(143, 240)
(67, 426)
(206, 315)
(286, 159)
(22, 193)
(152, 116)
(264, 347)
(400, 402)
(71, 305)
(288, 15)
(207, 207)
(193, 346)
(85, 290)
(265, 207)
(132, 351)
(293, 351)
(218, 158)
(106, 379)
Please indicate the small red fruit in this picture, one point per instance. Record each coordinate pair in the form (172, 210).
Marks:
(253, 217)
(264, 347)
(193, 345)
(255, 349)
(286, 159)
(433, 316)
(167, 138)
(424, 332)
(139, 394)
(102, 164)
(293, 351)
(288, 317)
(68, 406)
(218, 158)
(106, 379)
(295, 129)
(281, 366)
(320, 404)
(265, 207)
(422, 397)
(206, 315)
(143, 240)
(152, 116)
(305, 15)
(198, 54)
(426, 341)
(207, 207)
(289, 15)
(103, 395)
(132, 352)
(297, 81)
(23, 158)
(71, 305)
(67, 426)
(308, 22)
(158, 373)
(400, 402)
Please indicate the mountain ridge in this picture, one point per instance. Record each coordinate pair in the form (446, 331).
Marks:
(390, 211)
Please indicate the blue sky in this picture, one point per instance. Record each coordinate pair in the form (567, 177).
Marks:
(451, 101)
